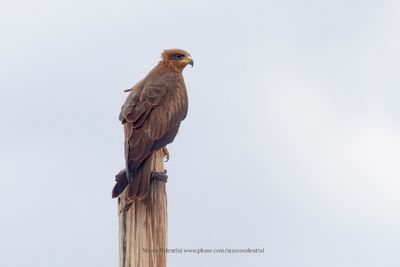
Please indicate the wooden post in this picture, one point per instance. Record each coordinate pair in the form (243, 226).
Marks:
(143, 229)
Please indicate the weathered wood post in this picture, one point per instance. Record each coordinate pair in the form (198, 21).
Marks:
(143, 229)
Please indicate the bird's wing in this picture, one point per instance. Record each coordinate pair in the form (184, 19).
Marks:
(168, 114)
(150, 111)
(140, 101)
(151, 116)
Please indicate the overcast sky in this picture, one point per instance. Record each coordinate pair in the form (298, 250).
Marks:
(292, 141)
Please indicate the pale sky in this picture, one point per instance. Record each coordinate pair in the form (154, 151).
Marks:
(291, 144)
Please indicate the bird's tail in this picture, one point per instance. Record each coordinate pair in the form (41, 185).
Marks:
(139, 185)
(121, 183)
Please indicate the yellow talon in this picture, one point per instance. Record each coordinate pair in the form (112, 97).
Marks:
(165, 153)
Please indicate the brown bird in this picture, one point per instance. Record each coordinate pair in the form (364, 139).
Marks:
(152, 114)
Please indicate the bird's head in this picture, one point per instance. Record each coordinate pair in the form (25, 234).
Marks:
(178, 58)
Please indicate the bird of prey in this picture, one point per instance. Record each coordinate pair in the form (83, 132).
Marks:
(151, 115)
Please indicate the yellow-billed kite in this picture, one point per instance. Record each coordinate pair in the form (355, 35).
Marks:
(152, 114)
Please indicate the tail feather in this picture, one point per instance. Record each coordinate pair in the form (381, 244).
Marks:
(122, 182)
(139, 185)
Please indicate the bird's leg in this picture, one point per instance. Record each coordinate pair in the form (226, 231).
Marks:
(165, 153)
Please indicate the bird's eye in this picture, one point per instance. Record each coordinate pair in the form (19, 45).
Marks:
(179, 56)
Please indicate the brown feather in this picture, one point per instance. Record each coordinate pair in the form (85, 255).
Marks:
(151, 116)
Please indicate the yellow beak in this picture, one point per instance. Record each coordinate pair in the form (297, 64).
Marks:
(189, 61)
